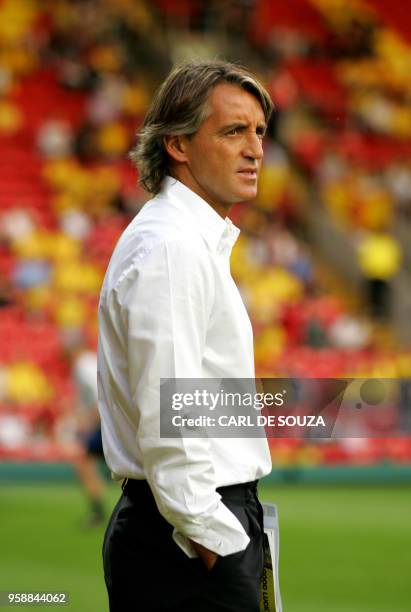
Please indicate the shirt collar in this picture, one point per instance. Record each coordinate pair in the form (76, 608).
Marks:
(219, 233)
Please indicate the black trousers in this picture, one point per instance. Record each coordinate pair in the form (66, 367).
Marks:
(146, 571)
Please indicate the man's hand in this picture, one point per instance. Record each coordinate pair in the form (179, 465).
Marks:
(207, 556)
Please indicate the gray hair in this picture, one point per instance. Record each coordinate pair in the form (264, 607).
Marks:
(180, 106)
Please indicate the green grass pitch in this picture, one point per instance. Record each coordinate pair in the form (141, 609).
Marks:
(343, 549)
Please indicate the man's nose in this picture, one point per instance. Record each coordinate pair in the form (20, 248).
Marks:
(253, 147)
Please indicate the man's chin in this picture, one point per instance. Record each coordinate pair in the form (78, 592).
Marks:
(247, 195)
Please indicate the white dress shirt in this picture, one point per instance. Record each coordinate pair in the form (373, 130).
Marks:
(169, 308)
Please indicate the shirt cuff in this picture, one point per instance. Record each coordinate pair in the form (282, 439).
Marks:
(223, 534)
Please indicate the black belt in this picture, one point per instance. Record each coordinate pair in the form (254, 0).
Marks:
(242, 490)
(239, 491)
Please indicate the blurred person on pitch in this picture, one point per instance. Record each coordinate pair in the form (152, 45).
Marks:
(83, 362)
(186, 534)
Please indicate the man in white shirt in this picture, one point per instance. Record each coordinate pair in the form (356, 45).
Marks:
(186, 535)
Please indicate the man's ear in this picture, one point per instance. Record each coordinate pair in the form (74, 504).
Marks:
(176, 147)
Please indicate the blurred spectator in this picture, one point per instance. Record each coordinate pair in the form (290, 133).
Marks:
(14, 431)
(55, 139)
(75, 223)
(16, 224)
(380, 259)
(349, 332)
(398, 181)
(25, 383)
(84, 371)
(31, 273)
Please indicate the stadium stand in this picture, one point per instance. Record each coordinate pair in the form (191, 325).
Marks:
(75, 80)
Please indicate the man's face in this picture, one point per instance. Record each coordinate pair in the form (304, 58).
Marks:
(223, 158)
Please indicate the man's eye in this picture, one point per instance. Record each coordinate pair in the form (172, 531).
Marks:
(232, 132)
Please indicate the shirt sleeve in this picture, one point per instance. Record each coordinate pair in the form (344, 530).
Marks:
(166, 304)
